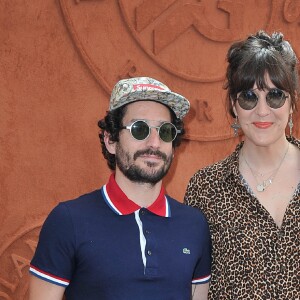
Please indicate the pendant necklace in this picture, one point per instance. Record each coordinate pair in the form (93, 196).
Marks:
(261, 186)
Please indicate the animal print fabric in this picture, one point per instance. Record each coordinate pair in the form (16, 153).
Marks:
(253, 259)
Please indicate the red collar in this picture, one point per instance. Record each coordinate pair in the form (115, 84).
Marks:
(122, 205)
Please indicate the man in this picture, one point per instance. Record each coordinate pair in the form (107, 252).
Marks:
(128, 240)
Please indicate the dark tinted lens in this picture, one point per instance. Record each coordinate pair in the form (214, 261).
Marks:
(140, 130)
(247, 99)
(167, 132)
(275, 98)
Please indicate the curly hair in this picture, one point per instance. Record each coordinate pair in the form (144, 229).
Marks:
(249, 61)
(112, 123)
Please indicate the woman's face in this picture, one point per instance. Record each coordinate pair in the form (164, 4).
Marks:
(263, 125)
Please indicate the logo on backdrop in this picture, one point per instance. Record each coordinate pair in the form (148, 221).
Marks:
(15, 256)
(181, 43)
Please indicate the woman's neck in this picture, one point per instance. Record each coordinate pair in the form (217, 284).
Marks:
(264, 158)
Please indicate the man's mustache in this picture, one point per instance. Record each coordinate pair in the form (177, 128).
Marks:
(150, 152)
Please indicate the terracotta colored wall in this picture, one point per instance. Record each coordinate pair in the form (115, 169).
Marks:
(58, 62)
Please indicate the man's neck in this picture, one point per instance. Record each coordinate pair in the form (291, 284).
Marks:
(143, 194)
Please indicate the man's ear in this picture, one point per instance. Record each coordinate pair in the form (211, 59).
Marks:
(110, 146)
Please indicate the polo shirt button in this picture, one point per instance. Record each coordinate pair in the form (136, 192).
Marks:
(143, 212)
(147, 231)
(149, 252)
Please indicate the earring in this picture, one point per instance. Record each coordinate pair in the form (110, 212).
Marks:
(291, 124)
(236, 126)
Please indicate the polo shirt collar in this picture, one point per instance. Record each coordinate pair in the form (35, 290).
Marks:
(122, 205)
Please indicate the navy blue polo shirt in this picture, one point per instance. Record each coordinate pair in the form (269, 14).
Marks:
(104, 246)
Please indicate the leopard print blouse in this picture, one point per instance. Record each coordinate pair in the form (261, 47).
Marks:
(253, 259)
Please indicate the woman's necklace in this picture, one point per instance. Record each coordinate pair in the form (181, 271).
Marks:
(261, 186)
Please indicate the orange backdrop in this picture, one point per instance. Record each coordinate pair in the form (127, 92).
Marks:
(59, 60)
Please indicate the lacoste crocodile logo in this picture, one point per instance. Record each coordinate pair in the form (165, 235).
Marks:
(186, 251)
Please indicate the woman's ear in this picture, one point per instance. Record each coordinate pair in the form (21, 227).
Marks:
(296, 100)
(233, 107)
(110, 146)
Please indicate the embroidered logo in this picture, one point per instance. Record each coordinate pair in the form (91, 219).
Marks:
(186, 251)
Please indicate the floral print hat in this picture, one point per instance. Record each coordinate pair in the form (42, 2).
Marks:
(146, 88)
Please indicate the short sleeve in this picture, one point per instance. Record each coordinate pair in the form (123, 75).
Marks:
(202, 272)
(54, 257)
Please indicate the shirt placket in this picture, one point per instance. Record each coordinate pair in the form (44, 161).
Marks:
(147, 242)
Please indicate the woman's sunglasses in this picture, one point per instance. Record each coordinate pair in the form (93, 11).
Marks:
(140, 130)
(275, 98)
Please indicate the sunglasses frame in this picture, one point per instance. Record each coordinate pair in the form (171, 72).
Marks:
(129, 127)
(283, 98)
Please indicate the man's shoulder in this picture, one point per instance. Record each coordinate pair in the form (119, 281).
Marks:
(184, 210)
(90, 205)
(88, 201)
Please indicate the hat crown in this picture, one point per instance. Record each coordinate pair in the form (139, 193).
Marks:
(146, 88)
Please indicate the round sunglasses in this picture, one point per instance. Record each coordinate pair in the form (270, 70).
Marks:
(275, 98)
(140, 130)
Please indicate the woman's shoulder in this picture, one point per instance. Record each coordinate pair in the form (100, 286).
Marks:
(218, 168)
(294, 141)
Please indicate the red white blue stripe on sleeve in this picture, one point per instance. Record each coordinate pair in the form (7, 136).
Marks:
(48, 277)
(203, 279)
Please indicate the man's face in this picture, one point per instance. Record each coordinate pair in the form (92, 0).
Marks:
(145, 161)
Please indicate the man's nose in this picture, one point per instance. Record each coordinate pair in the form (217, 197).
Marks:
(154, 139)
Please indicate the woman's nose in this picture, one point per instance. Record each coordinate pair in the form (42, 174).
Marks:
(262, 108)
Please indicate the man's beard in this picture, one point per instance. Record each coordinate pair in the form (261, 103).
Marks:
(127, 166)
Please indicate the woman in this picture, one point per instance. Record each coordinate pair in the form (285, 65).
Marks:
(252, 198)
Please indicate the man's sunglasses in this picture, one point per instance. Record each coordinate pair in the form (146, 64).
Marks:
(140, 130)
(275, 98)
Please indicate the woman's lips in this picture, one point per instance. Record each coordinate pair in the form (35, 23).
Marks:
(262, 125)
